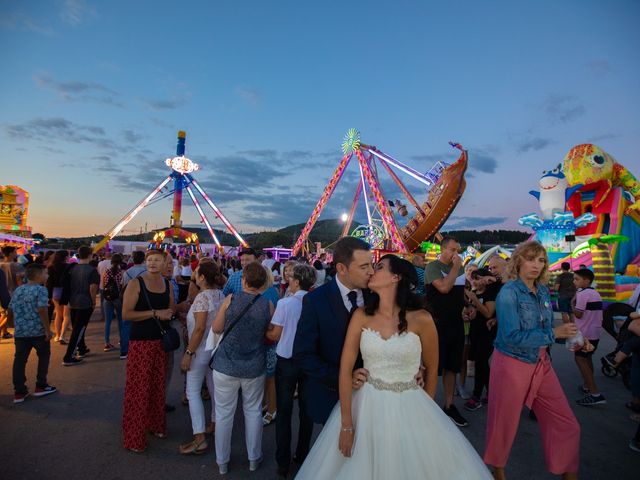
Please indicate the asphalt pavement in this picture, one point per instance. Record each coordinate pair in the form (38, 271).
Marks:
(75, 433)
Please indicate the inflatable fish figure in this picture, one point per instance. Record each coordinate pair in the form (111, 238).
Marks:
(584, 219)
(532, 220)
(554, 192)
(588, 163)
(564, 218)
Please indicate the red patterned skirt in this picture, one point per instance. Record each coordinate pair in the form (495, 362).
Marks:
(144, 393)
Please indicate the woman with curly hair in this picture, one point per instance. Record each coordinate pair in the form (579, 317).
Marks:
(391, 427)
(521, 371)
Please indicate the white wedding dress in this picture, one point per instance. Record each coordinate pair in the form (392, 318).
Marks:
(400, 432)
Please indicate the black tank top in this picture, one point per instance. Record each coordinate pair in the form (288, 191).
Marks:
(148, 329)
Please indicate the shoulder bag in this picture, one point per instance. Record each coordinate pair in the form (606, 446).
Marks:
(169, 335)
(232, 324)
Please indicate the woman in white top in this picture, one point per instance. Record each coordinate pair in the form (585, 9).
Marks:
(195, 361)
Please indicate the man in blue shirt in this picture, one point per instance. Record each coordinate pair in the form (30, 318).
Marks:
(234, 284)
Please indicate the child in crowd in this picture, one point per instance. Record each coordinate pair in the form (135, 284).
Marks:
(28, 309)
(630, 345)
(588, 314)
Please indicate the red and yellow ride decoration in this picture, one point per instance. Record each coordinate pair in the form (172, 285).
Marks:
(181, 169)
(444, 185)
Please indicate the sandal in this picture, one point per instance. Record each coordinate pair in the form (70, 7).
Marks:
(194, 448)
(159, 435)
(135, 450)
(204, 393)
(268, 418)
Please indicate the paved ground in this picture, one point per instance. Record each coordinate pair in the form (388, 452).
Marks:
(75, 433)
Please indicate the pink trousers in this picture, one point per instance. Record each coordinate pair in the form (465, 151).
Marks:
(514, 383)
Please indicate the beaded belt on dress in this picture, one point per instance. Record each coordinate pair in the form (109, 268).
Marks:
(394, 387)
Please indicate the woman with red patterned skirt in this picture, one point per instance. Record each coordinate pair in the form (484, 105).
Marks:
(147, 301)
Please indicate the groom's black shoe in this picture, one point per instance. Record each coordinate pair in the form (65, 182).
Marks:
(453, 413)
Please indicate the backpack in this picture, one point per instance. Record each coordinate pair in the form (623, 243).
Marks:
(111, 291)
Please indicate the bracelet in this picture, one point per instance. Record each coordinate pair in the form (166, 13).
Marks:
(347, 429)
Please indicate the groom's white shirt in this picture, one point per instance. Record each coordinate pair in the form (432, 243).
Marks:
(344, 291)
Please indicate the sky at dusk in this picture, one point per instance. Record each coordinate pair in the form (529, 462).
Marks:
(93, 94)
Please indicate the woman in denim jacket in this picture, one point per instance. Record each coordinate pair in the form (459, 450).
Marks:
(521, 371)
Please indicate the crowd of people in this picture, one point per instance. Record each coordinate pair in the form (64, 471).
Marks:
(359, 345)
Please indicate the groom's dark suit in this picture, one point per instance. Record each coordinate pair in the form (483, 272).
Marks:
(318, 346)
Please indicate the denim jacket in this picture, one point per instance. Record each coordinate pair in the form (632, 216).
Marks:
(525, 321)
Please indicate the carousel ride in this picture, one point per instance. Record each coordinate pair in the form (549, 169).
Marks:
(181, 170)
(443, 186)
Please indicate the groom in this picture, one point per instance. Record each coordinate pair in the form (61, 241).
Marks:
(322, 328)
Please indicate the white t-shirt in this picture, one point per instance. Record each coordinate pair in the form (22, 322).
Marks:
(103, 266)
(286, 316)
(268, 262)
(206, 301)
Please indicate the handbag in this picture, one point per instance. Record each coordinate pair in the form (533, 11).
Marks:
(169, 335)
(232, 324)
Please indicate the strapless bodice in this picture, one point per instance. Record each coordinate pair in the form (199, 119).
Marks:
(394, 360)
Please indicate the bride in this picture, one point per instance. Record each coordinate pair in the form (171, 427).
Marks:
(390, 428)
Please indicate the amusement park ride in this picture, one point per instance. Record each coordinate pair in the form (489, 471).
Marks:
(181, 169)
(445, 185)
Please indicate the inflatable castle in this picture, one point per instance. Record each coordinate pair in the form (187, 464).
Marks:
(590, 207)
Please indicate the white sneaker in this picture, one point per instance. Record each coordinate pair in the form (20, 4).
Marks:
(254, 464)
(223, 469)
(463, 392)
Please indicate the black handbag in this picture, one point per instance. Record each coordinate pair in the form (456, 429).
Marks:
(169, 335)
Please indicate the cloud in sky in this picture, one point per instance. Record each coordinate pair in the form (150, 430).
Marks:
(76, 12)
(482, 161)
(563, 108)
(604, 136)
(57, 129)
(533, 144)
(23, 22)
(74, 90)
(166, 104)
(248, 95)
(599, 68)
(470, 223)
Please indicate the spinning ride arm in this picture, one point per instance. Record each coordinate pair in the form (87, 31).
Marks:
(217, 212)
(129, 216)
(387, 217)
(326, 195)
(402, 187)
(354, 205)
(204, 218)
(399, 165)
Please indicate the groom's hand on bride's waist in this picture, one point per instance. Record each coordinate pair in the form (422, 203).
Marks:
(359, 377)
(420, 376)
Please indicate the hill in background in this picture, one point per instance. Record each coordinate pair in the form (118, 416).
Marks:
(325, 231)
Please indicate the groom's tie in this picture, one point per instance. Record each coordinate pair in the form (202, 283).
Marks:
(353, 298)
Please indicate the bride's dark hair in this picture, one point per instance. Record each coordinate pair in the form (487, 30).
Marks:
(406, 297)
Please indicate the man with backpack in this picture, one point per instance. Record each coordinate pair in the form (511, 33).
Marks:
(79, 290)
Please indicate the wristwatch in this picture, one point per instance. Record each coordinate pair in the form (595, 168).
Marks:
(189, 352)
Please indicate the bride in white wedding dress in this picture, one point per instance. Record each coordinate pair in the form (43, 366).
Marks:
(391, 429)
